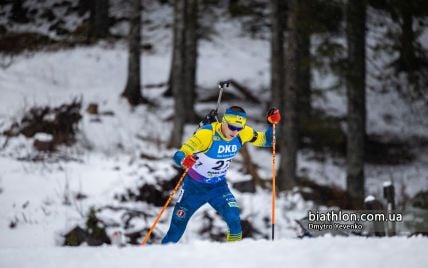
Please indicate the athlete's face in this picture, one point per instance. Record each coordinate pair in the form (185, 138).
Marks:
(229, 131)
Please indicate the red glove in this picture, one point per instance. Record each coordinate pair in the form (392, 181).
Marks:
(273, 116)
(189, 161)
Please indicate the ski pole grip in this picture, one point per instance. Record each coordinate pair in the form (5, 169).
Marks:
(226, 83)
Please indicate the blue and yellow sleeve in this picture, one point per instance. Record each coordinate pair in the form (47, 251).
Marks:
(200, 141)
(257, 138)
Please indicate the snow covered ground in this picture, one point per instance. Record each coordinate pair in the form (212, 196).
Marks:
(305, 253)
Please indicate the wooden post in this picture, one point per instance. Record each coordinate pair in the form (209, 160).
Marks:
(371, 203)
(389, 195)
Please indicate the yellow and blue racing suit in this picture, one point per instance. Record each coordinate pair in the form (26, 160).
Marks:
(206, 180)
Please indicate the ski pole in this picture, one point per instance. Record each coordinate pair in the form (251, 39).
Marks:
(273, 180)
(221, 86)
(213, 113)
(171, 195)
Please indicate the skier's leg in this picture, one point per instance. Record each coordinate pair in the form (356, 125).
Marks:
(179, 221)
(225, 204)
(188, 202)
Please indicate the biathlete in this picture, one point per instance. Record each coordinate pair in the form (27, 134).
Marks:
(207, 155)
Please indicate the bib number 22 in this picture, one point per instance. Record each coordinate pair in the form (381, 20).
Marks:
(222, 164)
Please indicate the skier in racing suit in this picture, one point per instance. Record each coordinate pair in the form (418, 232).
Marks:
(207, 155)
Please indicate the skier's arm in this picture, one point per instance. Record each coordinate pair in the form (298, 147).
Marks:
(262, 139)
(257, 138)
(200, 141)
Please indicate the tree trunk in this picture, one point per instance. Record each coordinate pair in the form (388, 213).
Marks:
(277, 53)
(304, 45)
(100, 21)
(289, 128)
(85, 6)
(355, 33)
(251, 168)
(132, 90)
(407, 60)
(178, 74)
(191, 44)
(168, 91)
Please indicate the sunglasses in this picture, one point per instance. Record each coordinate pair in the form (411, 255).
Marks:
(234, 128)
